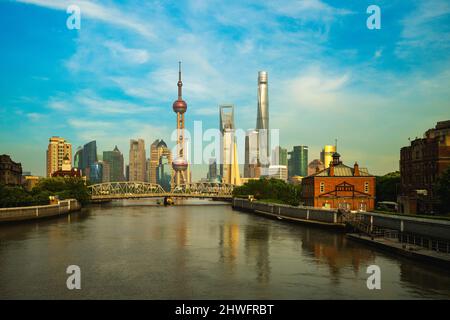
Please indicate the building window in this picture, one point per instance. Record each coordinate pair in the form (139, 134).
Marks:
(322, 187)
(366, 187)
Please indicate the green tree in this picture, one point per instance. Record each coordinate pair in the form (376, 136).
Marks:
(270, 189)
(64, 188)
(443, 191)
(387, 186)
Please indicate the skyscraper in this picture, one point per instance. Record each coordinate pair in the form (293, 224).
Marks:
(212, 170)
(78, 158)
(279, 156)
(251, 164)
(96, 172)
(58, 149)
(164, 172)
(298, 161)
(106, 172)
(326, 156)
(89, 158)
(180, 164)
(229, 167)
(116, 165)
(226, 124)
(158, 149)
(137, 160)
(262, 118)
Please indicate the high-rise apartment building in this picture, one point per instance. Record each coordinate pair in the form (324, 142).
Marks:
(57, 149)
(326, 156)
(137, 160)
(115, 162)
(298, 161)
(158, 149)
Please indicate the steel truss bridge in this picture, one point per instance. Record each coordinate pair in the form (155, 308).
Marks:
(131, 189)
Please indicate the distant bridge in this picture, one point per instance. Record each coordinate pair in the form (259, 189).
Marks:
(132, 189)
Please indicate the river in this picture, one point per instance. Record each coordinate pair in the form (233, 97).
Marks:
(134, 249)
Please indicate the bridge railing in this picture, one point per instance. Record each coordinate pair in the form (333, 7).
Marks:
(134, 189)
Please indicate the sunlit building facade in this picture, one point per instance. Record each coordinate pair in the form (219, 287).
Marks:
(137, 166)
(58, 149)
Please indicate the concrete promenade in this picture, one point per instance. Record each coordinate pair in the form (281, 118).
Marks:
(405, 249)
(38, 212)
(307, 215)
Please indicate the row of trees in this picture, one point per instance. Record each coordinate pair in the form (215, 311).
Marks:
(63, 188)
(274, 190)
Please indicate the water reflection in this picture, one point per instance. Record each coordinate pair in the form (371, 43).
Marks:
(257, 250)
(135, 249)
(334, 250)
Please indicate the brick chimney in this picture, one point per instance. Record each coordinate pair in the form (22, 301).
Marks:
(331, 172)
(356, 170)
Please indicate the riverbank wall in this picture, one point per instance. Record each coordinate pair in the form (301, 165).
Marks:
(38, 212)
(429, 228)
(307, 215)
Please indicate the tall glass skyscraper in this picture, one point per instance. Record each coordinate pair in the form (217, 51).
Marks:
(115, 161)
(164, 172)
(298, 161)
(78, 159)
(262, 118)
(89, 157)
(96, 172)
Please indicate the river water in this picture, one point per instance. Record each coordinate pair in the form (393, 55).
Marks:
(134, 249)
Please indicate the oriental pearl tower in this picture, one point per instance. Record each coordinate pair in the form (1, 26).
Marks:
(180, 164)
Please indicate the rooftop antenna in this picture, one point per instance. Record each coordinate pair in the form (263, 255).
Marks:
(180, 83)
(335, 144)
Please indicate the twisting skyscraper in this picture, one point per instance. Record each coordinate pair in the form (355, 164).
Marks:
(180, 164)
(262, 119)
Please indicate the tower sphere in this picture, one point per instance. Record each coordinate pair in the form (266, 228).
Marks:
(179, 106)
(179, 164)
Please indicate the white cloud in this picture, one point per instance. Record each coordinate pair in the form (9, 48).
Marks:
(108, 14)
(315, 89)
(34, 116)
(138, 56)
(419, 30)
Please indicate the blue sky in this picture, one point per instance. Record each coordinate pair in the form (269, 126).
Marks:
(329, 76)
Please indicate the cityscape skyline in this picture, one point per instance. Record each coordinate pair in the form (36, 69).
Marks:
(321, 88)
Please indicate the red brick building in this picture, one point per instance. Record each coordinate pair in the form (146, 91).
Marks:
(340, 186)
(421, 164)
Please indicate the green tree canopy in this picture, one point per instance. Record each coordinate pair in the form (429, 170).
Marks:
(270, 189)
(388, 186)
(64, 188)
